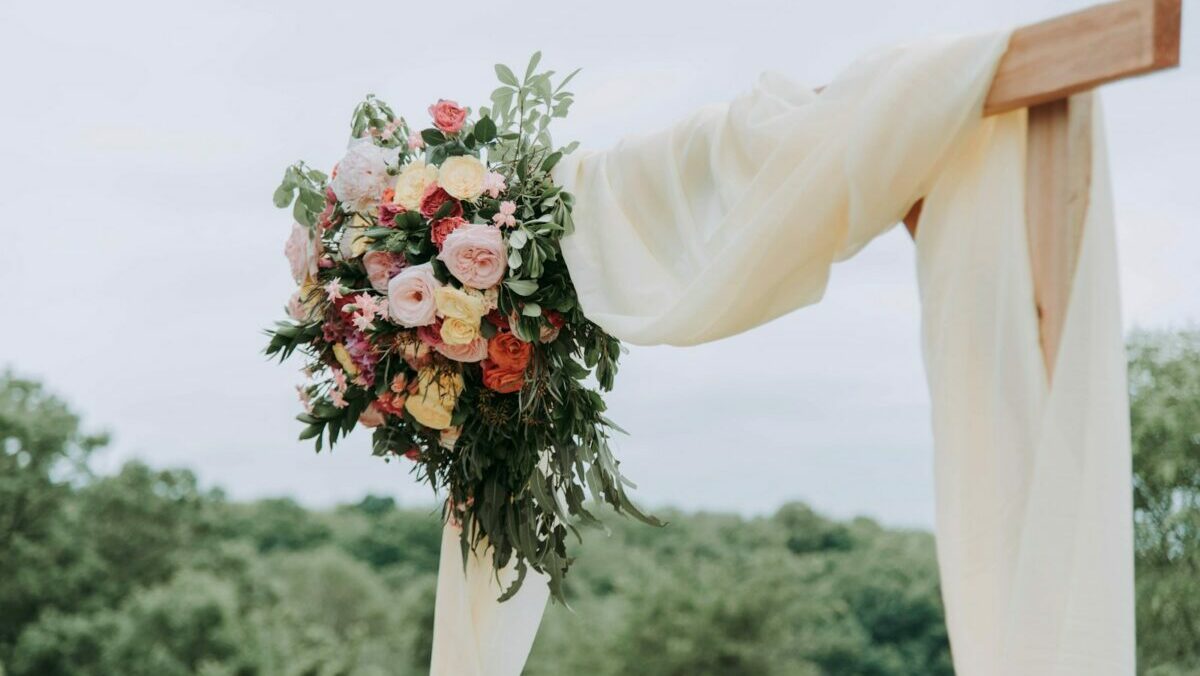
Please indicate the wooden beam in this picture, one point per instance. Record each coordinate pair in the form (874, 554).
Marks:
(1073, 53)
(1058, 177)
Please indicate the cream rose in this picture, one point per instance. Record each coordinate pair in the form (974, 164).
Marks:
(458, 304)
(411, 296)
(462, 177)
(411, 183)
(449, 437)
(460, 331)
(302, 251)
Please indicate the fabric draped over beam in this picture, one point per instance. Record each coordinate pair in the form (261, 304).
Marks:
(734, 217)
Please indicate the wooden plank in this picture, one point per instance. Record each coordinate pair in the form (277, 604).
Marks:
(1058, 173)
(1076, 52)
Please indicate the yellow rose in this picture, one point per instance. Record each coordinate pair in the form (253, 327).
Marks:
(437, 393)
(457, 304)
(411, 183)
(459, 331)
(462, 177)
(343, 358)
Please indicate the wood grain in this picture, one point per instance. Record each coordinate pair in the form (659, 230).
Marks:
(1058, 174)
(1076, 52)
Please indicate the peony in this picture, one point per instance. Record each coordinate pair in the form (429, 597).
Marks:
(458, 304)
(475, 255)
(448, 116)
(509, 352)
(462, 176)
(381, 267)
(411, 183)
(433, 199)
(439, 229)
(501, 380)
(472, 352)
(411, 296)
(362, 176)
(302, 251)
(372, 416)
(433, 403)
(459, 331)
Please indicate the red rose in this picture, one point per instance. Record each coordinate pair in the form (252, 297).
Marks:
(442, 227)
(509, 352)
(434, 198)
(497, 320)
(555, 318)
(448, 116)
(502, 380)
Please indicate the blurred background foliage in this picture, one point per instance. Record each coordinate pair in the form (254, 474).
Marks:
(146, 574)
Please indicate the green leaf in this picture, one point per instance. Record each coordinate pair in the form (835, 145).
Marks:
(518, 239)
(533, 64)
(551, 160)
(506, 75)
(485, 130)
(521, 287)
(433, 137)
(532, 310)
(514, 259)
(283, 196)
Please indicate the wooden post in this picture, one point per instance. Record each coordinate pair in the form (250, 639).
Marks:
(1058, 173)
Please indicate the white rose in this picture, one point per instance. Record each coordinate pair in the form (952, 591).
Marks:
(354, 242)
(362, 176)
(462, 177)
(414, 178)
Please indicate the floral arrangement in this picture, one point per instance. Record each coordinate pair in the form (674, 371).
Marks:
(435, 308)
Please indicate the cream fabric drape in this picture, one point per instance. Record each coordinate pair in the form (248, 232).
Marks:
(473, 633)
(734, 217)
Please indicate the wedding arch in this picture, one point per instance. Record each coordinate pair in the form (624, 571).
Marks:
(459, 287)
(1022, 340)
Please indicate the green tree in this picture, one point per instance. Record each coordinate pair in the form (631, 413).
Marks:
(1164, 388)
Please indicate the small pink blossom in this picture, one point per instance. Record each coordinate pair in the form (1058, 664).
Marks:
(339, 380)
(334, 288)
(363, 322)
(493, 184)
(339, 401)
(305, 398)
(505, 215)
(415, 142)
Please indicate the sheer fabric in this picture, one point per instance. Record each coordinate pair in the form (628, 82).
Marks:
(734, 217)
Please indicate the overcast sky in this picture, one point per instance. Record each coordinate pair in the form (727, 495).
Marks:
(141, 255)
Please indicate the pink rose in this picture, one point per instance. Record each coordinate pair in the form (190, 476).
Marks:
(472, 352)
(381, 267)
(302, 253)
(388, 213)
(474, 254)
(372, 416)
(410, 296)
(448, 116)
(295, 308)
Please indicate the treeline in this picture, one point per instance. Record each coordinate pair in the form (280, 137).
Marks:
(144, 573)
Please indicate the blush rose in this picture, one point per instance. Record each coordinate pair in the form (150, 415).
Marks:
(448, 116)
(475, 254)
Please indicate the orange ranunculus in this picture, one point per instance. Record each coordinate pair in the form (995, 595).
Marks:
(500, 379)
(508, 352)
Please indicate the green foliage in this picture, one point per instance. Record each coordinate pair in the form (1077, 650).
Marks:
(1164, 389)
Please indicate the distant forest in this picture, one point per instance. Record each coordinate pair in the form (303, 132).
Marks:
(144, 574)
